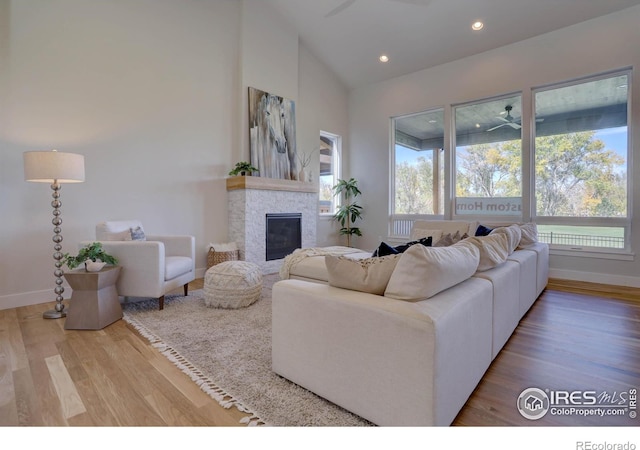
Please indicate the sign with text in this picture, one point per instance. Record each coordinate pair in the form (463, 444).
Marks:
(492, 206)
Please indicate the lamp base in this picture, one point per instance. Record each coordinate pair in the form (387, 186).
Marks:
(53, 314)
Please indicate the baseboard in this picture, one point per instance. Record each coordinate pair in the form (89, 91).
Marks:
(591, 277)
(29, 298)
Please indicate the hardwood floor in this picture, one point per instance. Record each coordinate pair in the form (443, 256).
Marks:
(50, 376)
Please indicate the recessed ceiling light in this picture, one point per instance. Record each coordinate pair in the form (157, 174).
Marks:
(477, 26)
(384, 58)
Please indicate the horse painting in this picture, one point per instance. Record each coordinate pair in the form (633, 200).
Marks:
(272, 132)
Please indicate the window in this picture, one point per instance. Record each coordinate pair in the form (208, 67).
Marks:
(329, 171)
(581, 163)
(418, 169)
(488, 158)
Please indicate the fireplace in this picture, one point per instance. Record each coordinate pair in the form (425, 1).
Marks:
(283, 234)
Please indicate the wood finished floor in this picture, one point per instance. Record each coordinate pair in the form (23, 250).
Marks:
(50, 376)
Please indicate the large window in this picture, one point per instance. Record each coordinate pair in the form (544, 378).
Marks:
(418, 162)
(581, 163)
(329, 171)
(488, 158)
(562, 161)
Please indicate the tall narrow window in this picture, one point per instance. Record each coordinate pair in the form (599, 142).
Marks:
(329, 171)
(418, 169)
(581, 163)
(488, 158)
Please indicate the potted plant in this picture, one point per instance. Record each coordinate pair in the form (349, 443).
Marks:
(349, 210)
(243, 168)
(92, 253)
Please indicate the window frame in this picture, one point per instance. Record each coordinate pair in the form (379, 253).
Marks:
(399, 224)
(454, 156)
(336, 165)
(614, 222)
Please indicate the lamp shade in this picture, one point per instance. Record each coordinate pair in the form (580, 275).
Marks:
(47, 167)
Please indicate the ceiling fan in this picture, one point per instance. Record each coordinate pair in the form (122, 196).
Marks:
(344, 5)
(509, 120)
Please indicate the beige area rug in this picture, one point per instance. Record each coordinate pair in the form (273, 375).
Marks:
(228, 354)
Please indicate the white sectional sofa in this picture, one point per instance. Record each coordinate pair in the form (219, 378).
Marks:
(403, 362)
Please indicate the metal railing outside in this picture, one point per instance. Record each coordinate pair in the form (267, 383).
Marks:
(581, 240)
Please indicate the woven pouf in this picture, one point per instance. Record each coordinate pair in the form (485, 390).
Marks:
(232, 284)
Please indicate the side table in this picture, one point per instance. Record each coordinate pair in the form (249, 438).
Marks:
(94, 302)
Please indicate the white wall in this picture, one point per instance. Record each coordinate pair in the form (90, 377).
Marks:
(153, 93)
(323, 107)
(596, 46)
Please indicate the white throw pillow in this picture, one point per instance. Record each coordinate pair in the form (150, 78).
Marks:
(513, 233)
(494, 249)
(365, 275)
(529, 234)
(422, 271)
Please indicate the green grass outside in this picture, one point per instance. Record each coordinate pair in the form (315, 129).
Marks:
(583, 231)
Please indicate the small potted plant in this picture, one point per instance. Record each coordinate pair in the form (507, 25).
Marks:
(243, 168)
(93, 256)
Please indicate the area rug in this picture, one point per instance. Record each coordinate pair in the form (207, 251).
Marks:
(227, 352)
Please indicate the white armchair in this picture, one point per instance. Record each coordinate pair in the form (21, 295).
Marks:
(151, 266)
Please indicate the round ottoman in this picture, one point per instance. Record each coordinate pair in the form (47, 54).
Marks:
(232, 284)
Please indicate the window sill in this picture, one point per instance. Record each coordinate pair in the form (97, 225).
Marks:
(619, 255)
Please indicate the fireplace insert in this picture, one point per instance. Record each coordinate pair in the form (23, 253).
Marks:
(283, 234)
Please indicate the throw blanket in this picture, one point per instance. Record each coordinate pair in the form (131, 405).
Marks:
(301, 253)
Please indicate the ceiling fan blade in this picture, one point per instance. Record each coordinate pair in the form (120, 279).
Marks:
(498, 126)
(338, 9)
(540, 119)
(514, 125)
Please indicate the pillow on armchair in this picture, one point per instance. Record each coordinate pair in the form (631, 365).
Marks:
(120, 230)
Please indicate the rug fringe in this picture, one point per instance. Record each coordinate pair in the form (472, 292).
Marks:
(214, 391)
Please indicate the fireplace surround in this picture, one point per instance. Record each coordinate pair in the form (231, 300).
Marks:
(250, 199)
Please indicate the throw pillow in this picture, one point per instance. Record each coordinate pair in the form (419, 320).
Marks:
(365, 275)
(384, 249)
(529, 234)
(494, 250)
(513, 233)
(483, 231)
(137, 234)
(422, 272)
(445, 241)
(419, 233)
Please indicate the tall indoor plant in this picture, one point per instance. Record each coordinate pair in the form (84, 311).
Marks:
(349, 211)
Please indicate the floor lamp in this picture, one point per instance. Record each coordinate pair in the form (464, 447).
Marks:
(55, 167)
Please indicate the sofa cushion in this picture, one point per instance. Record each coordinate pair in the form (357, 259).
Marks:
(422, 272)
(494, 250)
(529, 234)
(174, 266)
(365, 275)
(513, 233)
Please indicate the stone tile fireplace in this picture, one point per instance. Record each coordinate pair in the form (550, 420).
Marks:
(251, 199)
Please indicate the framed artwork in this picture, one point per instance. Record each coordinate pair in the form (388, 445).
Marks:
(272, 135)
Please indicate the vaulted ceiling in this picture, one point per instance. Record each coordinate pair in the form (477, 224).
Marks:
(350, 35)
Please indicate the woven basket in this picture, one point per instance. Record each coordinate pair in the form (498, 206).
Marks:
(214, 257)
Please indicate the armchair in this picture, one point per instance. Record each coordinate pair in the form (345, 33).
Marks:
(152, 265)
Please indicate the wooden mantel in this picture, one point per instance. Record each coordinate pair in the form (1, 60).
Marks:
(269, 184)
